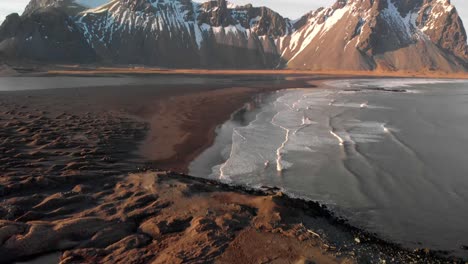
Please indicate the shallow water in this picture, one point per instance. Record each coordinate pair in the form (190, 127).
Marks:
(387, 154)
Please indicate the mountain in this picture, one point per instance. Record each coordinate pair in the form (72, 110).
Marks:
(380, 35)
(385, 35)
(46, 35)
(173, 33)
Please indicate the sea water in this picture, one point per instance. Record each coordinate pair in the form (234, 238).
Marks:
(390, 155)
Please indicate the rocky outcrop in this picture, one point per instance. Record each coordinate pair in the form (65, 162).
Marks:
(386, 35)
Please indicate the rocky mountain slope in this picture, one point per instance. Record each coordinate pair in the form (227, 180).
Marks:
(387, 35)
(380, 34)
(45, 35)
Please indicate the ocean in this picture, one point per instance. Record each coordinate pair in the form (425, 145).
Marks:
(389, 155)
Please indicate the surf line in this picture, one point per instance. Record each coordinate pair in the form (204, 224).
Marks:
(223, 176)
(279, 150)
(340, 140)
(221, 171)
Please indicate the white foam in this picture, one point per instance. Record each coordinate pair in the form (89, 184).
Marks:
(340, 140)
(280, 149)
(284, 128)
(384, 128)
(279, 152)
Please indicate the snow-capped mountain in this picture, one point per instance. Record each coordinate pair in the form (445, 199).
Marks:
(183, 33)
(412, 35)
(379, 34)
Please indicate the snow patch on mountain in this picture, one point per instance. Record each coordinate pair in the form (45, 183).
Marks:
(403, 25)
(320, 23)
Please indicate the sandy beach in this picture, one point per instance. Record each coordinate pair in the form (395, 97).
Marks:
(95, 175)
(176, 137)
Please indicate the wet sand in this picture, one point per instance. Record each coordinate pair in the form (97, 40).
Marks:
(78, 178)
(179, 134)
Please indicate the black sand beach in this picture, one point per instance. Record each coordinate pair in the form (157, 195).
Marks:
(76, 180)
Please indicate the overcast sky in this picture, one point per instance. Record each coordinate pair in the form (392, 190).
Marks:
(289, 8)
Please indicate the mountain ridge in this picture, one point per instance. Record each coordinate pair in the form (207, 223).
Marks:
(385, 35)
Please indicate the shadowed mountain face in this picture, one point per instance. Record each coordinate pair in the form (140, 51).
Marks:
(410, 35)
(46, 35)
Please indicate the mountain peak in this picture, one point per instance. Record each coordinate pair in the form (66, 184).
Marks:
(380, 34)
(409, 35)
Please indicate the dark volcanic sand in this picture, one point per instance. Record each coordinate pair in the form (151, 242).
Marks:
(70, 183)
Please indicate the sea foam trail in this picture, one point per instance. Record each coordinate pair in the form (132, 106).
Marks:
(402, 144)
(366, 171)
(340, 140)
(279, 155)
(279, 150)
(239, 134)
(420, 165)
(222, 176)
(221, 171)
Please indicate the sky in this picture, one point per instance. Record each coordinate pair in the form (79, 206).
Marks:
(289, 8)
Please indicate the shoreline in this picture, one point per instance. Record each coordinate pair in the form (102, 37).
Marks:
(233, 72)
(76, 176)
(190, 128)
(320, 210)
(49, 70)
(337, 220)
(196, 139)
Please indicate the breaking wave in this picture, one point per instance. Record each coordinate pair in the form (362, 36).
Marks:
(369, 149)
